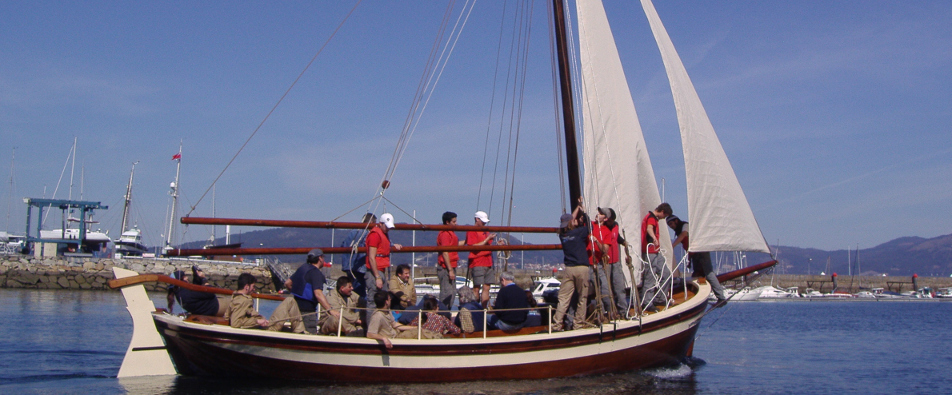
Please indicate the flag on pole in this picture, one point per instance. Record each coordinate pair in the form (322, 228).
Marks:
(177, 156)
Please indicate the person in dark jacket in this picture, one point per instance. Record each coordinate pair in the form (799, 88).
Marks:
(470, 318)
(196, 302)
(510, 296)
(574, 235)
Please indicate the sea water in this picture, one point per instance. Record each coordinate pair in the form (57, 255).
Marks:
(74, 341)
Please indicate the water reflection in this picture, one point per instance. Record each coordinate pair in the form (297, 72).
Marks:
(669, 381)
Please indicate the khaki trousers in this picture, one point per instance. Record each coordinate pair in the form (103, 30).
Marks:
(575, 281)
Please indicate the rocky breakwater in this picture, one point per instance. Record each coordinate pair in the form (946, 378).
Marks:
(24, 271)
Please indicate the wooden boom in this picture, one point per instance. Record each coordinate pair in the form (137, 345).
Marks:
(745, 271)
(361, 225)
(160, 278)
(345, 250)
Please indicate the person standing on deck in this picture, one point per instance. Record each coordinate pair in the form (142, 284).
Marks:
(447, 261)
(574, 235)
(700, 261)
(353, 263)
(378, 259)
(481, 262)
(307, 286)
(605, 229)
(657, 278)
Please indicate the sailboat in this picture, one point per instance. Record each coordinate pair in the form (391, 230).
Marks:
(130, 240)
(721, 221)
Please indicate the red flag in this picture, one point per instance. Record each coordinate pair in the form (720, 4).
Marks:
(177, 156)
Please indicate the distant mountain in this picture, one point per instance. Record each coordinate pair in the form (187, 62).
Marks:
(900, 257)
(904, 256)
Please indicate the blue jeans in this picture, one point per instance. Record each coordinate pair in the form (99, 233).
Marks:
(500, 324)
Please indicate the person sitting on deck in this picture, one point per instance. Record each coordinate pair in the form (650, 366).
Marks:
(241, 312)
(344, 300)
(510, 296)
(195, 302)
(402, 287)
(436, 325)
(307, 286)
(382, 326)
(471, 316)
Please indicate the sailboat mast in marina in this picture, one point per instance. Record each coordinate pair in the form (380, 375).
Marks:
(175, 194)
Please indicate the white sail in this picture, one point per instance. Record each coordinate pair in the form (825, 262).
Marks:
(721, 218)
(618, 172)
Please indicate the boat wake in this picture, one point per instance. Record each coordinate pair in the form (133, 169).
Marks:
(681, 371)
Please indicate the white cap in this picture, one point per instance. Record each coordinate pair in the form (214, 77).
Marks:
(387, 219)
(482, 216)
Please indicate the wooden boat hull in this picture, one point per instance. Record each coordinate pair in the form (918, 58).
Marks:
(219, 351)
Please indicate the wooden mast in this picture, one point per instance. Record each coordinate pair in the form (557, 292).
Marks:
(568, 111)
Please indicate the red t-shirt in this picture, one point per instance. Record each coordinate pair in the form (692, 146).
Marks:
(594, 253)
(607, 236)
(479, 258)
(650, 219)
(447, 238)
(378, 239)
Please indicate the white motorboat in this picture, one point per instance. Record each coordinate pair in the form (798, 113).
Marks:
(543, 285)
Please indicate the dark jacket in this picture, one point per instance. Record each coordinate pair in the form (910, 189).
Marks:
(512, 297)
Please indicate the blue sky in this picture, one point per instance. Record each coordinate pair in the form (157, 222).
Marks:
(836, 115)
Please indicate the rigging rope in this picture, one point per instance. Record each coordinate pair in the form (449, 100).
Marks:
(492, 103)
(281, 99)
(431, 78)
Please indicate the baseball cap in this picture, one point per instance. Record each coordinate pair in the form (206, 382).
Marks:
(482, 216)
(387, 220)
(565, 220)
(314, 254)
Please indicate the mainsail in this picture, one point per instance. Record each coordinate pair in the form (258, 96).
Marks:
(617, 171)
(721, 218)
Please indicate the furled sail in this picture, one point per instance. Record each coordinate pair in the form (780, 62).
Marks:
(721, 218)
(617, 170)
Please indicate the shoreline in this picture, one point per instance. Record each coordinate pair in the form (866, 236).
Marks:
(26, 271)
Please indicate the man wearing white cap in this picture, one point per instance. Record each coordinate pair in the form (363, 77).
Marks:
(481, 262)
(378, 258)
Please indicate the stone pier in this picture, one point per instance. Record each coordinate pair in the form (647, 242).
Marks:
(26, 271)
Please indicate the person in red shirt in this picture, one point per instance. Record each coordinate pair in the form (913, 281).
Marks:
(657, 278)
(447, 261)
(378, 257)
(606, 230)
(481, 262)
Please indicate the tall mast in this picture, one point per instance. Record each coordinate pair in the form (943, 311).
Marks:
(12, 186)
(125, 208)
(568, 109)
(175, 193)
